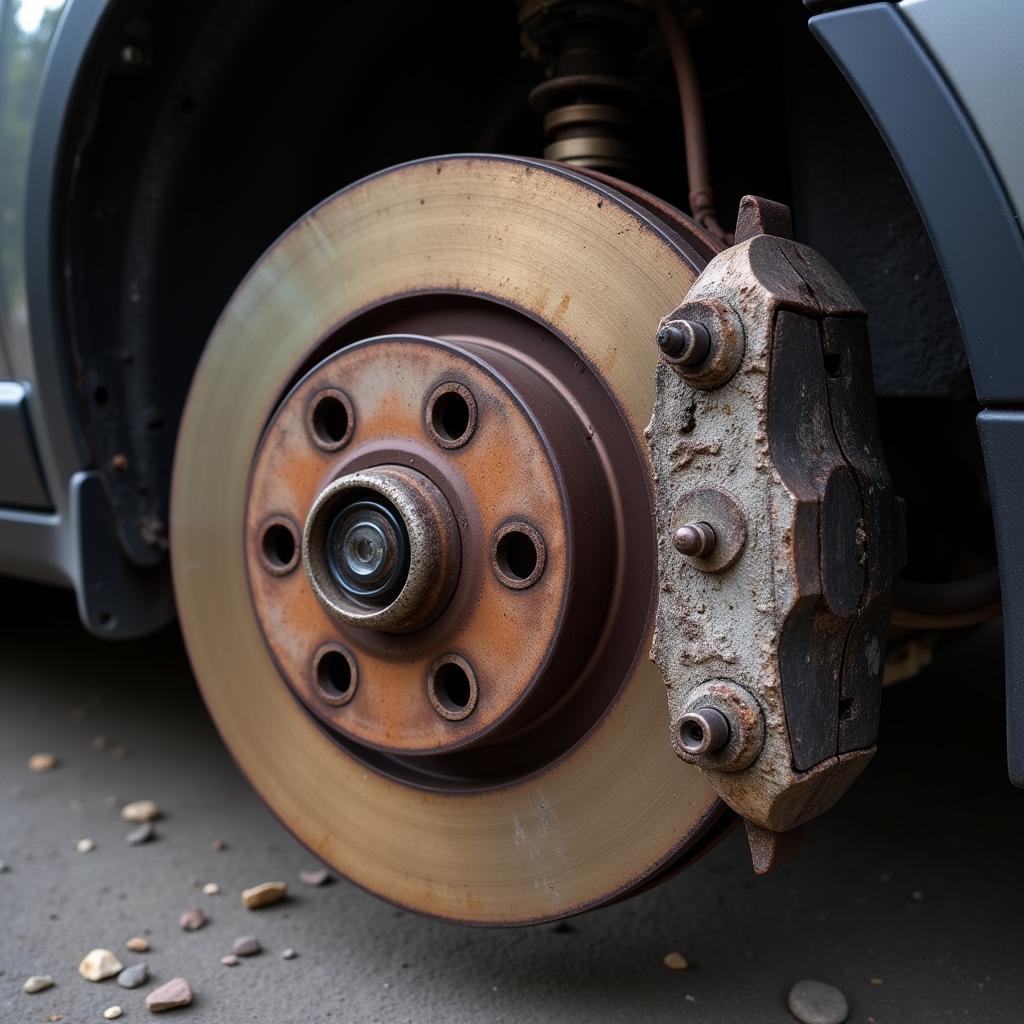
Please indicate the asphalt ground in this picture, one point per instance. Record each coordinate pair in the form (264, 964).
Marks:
(907, 896)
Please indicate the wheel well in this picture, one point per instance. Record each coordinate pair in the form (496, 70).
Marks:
(199, 131)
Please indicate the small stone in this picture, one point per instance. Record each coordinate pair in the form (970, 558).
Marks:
(112, 1012)
(211, 889)
(264, 894)
(247, 945)
(140, 810)
(169, 996)
(100, 743)
(288, 954)
(814, 1002)
(143, 834)
(675, 961)
(315, 876)
(54, 1017)
(99, 964)
(875, 981)
(217, 845)
(85, 846)
(917, 895)
(230, 960)
(37, 983)
(42, 763)
(134, 976)
(137, 944)
(4, 867)
(192, 920)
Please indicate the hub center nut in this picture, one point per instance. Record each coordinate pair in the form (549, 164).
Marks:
(381, 549)
(368, 550)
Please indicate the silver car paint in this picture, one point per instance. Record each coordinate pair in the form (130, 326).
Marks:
(978, 45)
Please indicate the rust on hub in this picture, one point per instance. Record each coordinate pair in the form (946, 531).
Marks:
(439, 541)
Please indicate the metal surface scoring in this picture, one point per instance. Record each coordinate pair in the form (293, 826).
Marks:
(607, 815)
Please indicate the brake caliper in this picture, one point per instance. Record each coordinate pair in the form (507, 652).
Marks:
(779, 534)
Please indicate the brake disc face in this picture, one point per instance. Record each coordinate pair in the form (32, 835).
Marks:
(413, 539)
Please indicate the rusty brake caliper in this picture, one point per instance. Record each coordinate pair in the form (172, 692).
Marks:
(779, 534)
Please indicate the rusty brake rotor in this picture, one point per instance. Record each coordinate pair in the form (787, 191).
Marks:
(413, 538)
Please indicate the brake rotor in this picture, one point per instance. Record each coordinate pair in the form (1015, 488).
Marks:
(413, 541)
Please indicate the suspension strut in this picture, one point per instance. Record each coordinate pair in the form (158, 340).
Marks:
(589, 49)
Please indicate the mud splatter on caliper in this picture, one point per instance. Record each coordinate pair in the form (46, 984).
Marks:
(779, 534)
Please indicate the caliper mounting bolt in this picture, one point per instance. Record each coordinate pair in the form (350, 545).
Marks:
(695, 539)
(703, 731)
(684, 342)
(721, 727)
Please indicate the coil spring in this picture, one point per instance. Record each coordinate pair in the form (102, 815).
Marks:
(588, 99)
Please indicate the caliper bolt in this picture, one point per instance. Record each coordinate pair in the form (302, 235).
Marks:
(684, 342)
(703, 731)
(719, 728)
(695, 539)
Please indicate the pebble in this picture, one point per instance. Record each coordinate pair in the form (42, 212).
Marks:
(169, 996)
(675, 961)
(134, 976)
(140, 810)
(192, 920)
(247, 945)
(100, 743)
(141, 835)
(211, 889)
(85, 846)
(814, 1002)
(4, 867)
(264, 894)
(137, 944)
(112, 1012)
(99, 964)
(230, 960)
(217, 845)
(315, 876)
(37, 983)
(42, 763)
(288, 954)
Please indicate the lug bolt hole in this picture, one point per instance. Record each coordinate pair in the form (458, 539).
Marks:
(334, 672)
(331, 419)
(451, 415)
(279, 546)
(518, 555)
(452, 687)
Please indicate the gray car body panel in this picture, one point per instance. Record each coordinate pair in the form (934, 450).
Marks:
(977, 46)
(945, 87)
(41, 545)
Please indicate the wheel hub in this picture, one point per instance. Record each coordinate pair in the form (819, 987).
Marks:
(458, 538)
